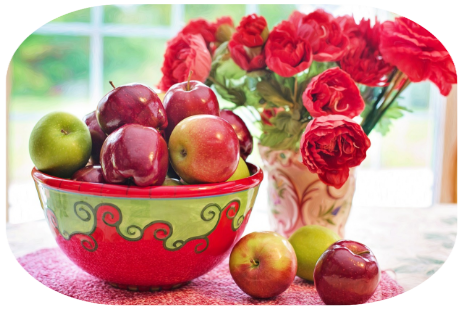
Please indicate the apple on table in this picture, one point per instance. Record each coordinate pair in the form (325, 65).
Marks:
(347, 273)
(263, 264)
(309, 243)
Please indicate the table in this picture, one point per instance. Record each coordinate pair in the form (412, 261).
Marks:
(412, 242)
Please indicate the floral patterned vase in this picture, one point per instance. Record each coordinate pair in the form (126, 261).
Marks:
(297, 197)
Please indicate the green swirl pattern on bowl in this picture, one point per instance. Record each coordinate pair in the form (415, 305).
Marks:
(188, 218)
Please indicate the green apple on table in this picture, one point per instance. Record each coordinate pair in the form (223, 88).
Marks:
(309, 243)
(60, 144)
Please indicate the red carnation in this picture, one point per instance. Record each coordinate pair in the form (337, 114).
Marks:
(349, 26)
(252, 31)
(333, 92)
(203, 27)
(323, 33)
(246, 44)
(453, 9)
(247, 59)
(330, 145)
(185, 53)
(285, 53)
(417, 53)
(363, 60)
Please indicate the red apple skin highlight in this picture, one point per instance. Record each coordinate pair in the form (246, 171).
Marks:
(263, 264)
(204, 149)
(98, 136)
(180, 103)
(89, 173)
(136, 153)
(342, 276)
(242, 131)
(132, 103)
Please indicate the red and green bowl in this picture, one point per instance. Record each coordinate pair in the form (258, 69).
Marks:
(147, 238)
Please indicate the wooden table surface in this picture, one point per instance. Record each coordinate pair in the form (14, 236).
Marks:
(412, 242)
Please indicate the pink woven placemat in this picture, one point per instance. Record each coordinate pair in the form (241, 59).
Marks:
(52, 268)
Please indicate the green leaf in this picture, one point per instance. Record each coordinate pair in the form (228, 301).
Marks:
(273, 139)
(395, 111)
(258, 73)
(317, 68)
(284, 121)
(233, 95)
(271, 94)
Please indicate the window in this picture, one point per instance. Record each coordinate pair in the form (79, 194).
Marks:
(66, 65)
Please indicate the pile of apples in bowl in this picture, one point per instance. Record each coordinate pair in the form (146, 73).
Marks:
(149, 195)
(144, 194)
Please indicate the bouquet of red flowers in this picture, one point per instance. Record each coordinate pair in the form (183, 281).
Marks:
(315, 82)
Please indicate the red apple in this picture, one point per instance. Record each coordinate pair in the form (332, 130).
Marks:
(187, 99)
(204, 149)
(133, 103)
(347, 273)
(136, 154)
(89, 173)
(263, 264)
(98, 136)
(244, 136)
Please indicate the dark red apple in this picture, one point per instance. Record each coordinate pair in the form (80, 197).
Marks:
(132, 103)
(187, 99)
(347, 273)
(135, 153)
(263, 264)
(204, 149)
(89, 173)
(242, 131)
(98, 136)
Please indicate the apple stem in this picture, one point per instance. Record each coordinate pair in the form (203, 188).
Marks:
(363, 252)
(254, 262)
(188, 81)
(65, 132)
(110, 82)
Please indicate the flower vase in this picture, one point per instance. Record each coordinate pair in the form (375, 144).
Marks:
(297, 197)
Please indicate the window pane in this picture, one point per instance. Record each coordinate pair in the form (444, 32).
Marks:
(275, 13)
(131, 60)
(135, 14)
(49, 73)
(52, 10)
(212, 12)
(398, 170)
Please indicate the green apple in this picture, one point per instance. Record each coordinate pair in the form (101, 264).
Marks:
(309, 243)
(242, 171)
(60, 144)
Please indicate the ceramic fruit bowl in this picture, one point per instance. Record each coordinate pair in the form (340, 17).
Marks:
(147, 238)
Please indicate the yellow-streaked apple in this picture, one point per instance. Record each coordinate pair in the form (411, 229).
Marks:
(263, 264)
